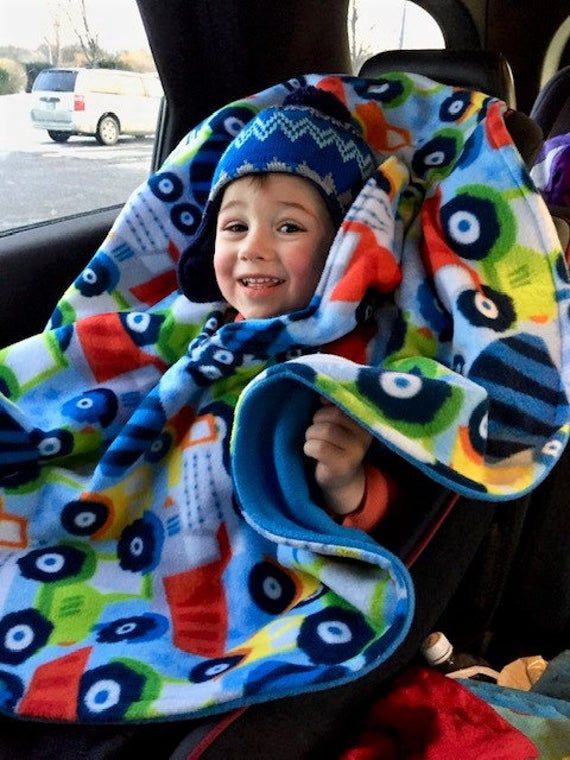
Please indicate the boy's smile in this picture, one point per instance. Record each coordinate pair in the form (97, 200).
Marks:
(273, 235)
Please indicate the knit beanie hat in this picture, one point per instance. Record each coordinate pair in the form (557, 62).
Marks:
(311, 135)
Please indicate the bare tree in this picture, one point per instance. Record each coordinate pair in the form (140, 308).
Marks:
(358, 51)
(88, 40)
(52, 43)
(402, 26)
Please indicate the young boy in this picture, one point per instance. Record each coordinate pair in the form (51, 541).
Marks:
(277, 203)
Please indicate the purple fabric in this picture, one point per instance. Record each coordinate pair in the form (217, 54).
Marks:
(551, 172)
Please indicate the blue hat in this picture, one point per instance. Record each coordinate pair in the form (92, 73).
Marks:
(296, 138)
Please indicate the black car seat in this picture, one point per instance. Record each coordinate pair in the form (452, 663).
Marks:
(440, 545)
(508, 579)
(482, 70)
(535, 611)
(520, 604)
(451, 549)
(551, 109)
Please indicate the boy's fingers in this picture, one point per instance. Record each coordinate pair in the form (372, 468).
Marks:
(321, 450)
(351, 446)
(332, 462)
(329, 432)
(340, 458)
(334, 416)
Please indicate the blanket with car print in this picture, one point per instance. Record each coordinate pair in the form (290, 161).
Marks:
(160, 551)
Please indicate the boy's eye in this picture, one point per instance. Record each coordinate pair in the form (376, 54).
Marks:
(235, 227)
(290, 227)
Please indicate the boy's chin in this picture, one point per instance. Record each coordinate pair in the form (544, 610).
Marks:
(267, 313)
(268, 310)
(260, 314)
(261, 310)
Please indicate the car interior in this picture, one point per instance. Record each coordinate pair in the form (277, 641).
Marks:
(494, 577)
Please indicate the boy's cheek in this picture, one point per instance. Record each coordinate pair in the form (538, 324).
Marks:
(222, 267)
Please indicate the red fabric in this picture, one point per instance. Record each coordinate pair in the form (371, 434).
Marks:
(378, 497)
(427, 716)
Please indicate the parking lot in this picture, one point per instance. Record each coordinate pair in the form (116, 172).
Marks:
(43, 180)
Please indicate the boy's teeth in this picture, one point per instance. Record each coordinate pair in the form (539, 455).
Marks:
(260, 280)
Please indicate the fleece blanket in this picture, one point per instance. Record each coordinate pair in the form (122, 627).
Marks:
(162, 553)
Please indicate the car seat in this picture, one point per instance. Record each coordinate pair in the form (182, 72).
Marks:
(508, 582)
(551, 109)
(443, 564)
(482, 70)
(535, 611)
(438, 544)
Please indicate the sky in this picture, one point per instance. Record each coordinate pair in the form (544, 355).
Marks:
(24, 23)
(379, 24)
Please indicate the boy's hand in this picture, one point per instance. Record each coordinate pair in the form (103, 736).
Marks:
(338, 444)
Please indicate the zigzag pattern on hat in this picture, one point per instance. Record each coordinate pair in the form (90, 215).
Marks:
(276, 165)
(294, 129)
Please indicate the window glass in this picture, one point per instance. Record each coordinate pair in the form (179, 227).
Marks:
(152, 85)
(389, 25)
(557, 53)
(71, 117)
(56, 80)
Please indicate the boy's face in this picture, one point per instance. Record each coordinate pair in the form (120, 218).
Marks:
(272, 240)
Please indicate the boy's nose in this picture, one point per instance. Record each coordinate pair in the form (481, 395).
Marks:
(255, 246)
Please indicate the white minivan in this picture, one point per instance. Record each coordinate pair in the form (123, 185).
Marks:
(104, 103)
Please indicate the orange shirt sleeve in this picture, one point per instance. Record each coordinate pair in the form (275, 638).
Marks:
(375, 502)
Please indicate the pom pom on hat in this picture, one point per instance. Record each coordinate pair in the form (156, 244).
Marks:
(311, 135)
(321, 100)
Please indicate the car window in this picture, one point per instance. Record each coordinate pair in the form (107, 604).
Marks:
(79, 103)
(58, 81)
(389, 25)
(558, 52)
(152, 85)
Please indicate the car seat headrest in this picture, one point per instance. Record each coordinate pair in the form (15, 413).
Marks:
(482, 70)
